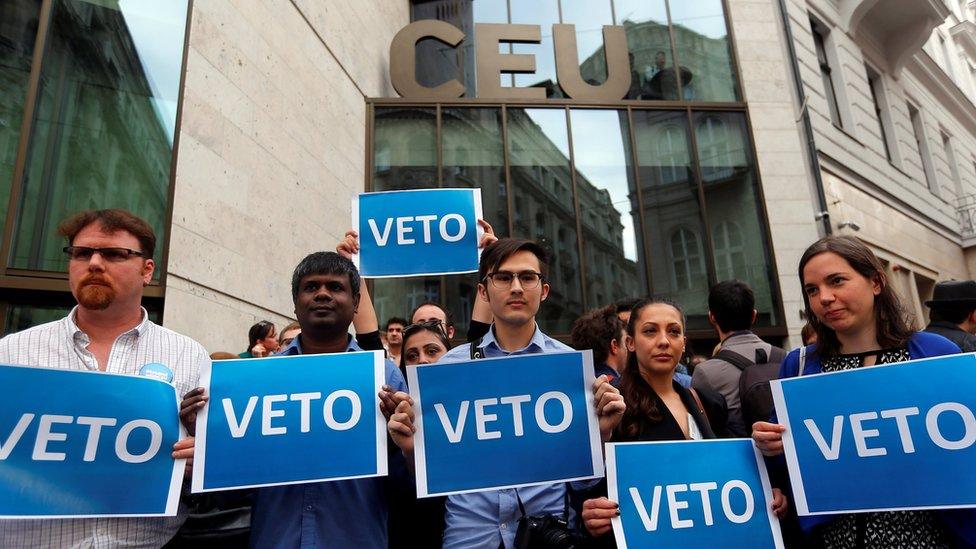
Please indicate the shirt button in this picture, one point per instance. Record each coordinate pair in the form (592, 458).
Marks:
(308, 507)
(503, 526)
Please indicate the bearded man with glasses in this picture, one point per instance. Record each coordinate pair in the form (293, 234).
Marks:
(109, 263)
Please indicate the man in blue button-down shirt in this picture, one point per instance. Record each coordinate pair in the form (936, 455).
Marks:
(512, 274)
(345, 513)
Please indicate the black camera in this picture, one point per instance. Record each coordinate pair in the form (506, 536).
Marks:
(543, 532)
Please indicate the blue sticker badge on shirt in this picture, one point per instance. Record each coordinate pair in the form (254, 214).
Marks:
(158, 371)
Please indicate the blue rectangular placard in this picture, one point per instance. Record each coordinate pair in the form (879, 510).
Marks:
(417, 232)
(704, 493)
(504, 422)
(290, 420)
(849, 434)
(79, 444)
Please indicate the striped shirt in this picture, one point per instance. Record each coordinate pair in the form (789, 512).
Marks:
(61, 344)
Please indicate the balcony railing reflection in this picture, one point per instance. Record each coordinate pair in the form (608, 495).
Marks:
(966, 211)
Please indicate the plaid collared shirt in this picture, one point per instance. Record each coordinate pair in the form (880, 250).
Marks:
(61, 344)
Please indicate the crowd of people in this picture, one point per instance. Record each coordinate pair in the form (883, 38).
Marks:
(648, 388)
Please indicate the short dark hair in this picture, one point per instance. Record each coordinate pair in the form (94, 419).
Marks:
(732, 303)
(111, 220)
(503, 248)
(956, 314)
(258, 331)
(625, 305)
(595, 330)
(395, 320)
(324, 263)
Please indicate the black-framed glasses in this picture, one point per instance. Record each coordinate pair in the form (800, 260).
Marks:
(529, 280)
(114, 255)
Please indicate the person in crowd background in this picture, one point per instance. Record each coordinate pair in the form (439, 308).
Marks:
(110, 261)
(808, 335)
(394, 338)
(418, 522)
(859, 322)
(288, 334)
(658, 407)
(512, 275)
(222, 355)
(952, 313)
(732, 312)
(602, 331)
(262, 340)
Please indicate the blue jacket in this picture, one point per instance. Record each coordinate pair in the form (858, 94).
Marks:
(922, 345)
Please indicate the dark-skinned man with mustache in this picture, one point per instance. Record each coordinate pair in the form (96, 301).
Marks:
(346, 513)
(110, 261)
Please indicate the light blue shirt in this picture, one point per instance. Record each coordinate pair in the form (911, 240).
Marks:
(489, 519)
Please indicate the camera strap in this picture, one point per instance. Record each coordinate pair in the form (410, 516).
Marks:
(521, 505)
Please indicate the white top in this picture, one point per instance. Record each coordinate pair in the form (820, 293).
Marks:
(693, 432)
(61, 344)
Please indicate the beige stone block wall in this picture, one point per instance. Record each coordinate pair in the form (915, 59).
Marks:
(272, 148)
(783, 167)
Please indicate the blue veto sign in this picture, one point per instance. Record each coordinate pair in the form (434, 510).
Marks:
(289, 420)
(417, 232)
(707, 493)
(891, 437)
(87, 444)
(504, 422)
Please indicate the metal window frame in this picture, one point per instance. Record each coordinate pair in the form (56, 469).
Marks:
(52, 286)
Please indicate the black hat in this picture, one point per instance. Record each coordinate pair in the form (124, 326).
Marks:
(953, 292)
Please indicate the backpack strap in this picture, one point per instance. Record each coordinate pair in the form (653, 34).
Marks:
(474, 350)
(777, 355)
(734, 359)
(701, 407)
(803, 360)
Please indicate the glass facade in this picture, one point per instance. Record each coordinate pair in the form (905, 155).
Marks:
(87, 120)
(627, 201)
(630, 198)
(678, 50)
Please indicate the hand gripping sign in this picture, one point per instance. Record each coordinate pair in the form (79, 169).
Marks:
(504, 422)
(417, 232)
(882, 438)
(79, 444)
(289, 420)
(707, 493)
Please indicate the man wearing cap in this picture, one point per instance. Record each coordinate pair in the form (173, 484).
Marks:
(953, 313)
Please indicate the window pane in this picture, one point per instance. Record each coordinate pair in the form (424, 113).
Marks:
(400, 296)
(703, 49)
(672, 212)
(589, 17)
(652, 73)
(404, 148)
(544, 13)
(404, 157)
(473, 157)
(543, 204)
(18, 30)
(608, 206)
(738, 231)
(105, 120)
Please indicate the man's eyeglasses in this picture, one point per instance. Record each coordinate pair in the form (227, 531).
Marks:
(529, 280)
(114, 255)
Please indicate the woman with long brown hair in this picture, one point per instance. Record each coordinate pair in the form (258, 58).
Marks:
(859, 322)
(658, 407)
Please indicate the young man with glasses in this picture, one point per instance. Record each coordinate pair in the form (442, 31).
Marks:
(109, 262)
(513, 283)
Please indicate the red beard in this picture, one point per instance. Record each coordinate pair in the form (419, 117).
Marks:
(95, 293)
